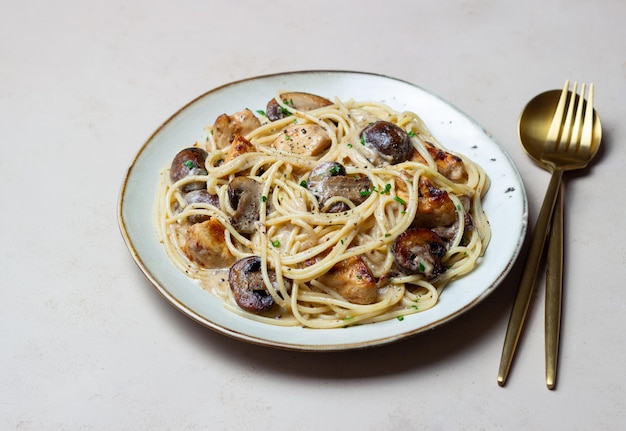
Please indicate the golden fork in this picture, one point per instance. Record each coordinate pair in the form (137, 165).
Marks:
(571, 142)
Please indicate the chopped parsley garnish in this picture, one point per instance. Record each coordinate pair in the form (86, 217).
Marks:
(421, 267)
(399, 200)
(335, 170)
(276, 243)
(264, 198)
(386, 190)
(400, 318)
(189, 164)
(411, 134)
(362, 140)
(304, 184)
(261, 112)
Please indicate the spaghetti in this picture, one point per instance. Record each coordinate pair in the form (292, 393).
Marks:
(314, 215)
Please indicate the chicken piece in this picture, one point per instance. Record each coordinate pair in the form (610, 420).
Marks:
(353, 280)
(434, 208)
(206, 245)
(303, 139)
(448, 233)
(239, 146)
(226, 127)
(448, 165)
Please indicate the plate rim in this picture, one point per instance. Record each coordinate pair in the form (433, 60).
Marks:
(235, 334)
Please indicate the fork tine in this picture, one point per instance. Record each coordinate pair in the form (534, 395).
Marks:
(557, 120)
(587, 132)
(579, 118)
(569, 132)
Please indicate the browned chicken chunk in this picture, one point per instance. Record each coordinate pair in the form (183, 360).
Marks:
(435, 208)
(226, 127)
(448, 165)
(239, 146)
(353, 280)
(206, 245)
(303, 139)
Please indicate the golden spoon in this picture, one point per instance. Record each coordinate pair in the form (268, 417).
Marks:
(554, 140)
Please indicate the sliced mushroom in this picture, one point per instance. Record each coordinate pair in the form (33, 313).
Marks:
(303, 139)
(201, 197)
(353, 280)
(329, 179)
(246, 282)
(226, 127)
(435, 208)
(244, 195)
(298, 100)
(190, 161)
(206, 245)
(419, 251)
(388, 140)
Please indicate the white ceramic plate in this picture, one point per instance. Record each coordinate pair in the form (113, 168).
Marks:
(505, 205)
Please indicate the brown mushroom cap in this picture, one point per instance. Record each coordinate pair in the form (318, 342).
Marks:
(201, 197)
(190, 161)
(298, 100)
(246, 282)
(389, 140)
(419, 251)
(329, 179)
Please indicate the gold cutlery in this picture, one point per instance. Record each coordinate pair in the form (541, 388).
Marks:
(560, 133)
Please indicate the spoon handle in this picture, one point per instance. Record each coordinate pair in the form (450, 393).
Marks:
(529, 275)
(554, 289)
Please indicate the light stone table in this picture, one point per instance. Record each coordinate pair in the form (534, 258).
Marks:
(86, 342)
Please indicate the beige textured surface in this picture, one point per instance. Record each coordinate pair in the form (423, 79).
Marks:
(88, 344)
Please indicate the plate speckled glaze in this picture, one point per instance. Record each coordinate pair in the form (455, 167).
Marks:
(505, 205)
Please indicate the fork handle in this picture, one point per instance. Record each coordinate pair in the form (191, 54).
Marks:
(554, 290)
(529, 275)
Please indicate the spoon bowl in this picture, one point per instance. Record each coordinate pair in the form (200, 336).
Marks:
(534, 123)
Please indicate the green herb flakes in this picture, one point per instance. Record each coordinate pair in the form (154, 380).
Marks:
(399, 200)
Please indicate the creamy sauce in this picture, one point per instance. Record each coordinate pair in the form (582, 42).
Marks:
(215, 281)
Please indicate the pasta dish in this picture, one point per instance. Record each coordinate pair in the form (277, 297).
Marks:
(322, 213)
